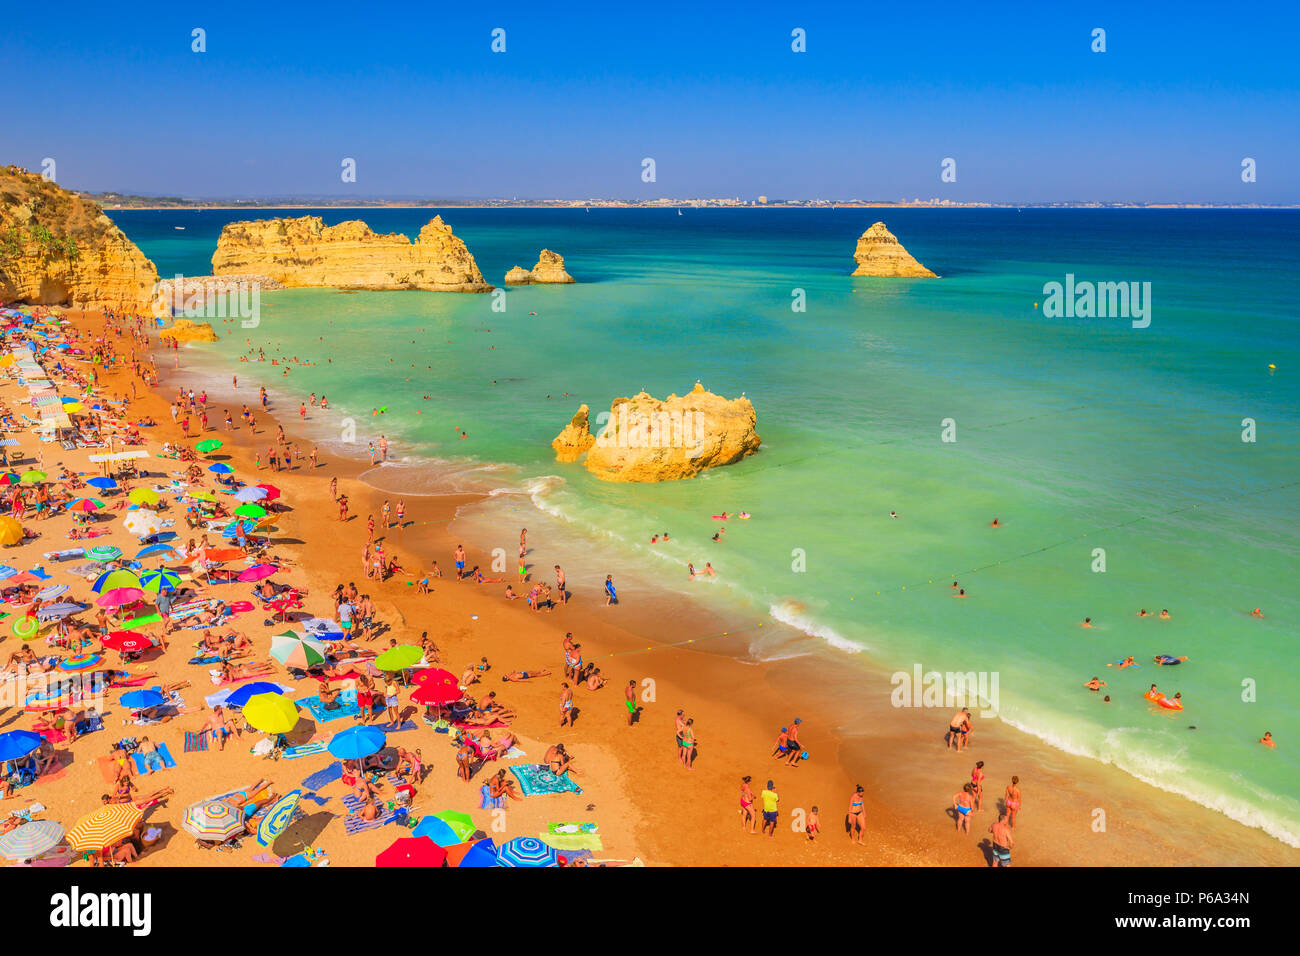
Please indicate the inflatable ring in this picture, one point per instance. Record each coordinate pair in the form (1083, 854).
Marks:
(25, 627)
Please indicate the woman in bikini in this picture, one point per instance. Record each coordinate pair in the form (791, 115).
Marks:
(1012, 800)
(747, 815)
(977, 781)
(857, 818)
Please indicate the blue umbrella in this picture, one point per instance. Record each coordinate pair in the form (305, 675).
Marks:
(220, 468)
(160, 578)
(160, 536)
(239, 697)
(527, 851)
(159, 549)
(102, 483)
(53, 591)
(438, 831)
(18, 743)
(357, 742)
(483, 853)
(142, 699)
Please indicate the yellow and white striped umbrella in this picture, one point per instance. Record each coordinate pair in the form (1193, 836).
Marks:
(104, 827)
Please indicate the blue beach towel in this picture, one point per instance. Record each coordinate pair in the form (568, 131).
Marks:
(346, 708)
(535, 779)
(138, 760)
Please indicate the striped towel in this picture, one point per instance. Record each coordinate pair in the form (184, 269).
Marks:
(195, 741)
(304, 750)
(353, 824)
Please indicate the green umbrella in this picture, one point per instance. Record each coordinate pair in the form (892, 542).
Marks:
(33, 476)
(251, 511)
(461, 823)
(209, 444)
(291, 650)
(399, 658)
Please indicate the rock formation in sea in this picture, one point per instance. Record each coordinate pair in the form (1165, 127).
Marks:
(58, 248)
(549, 270)
(186, 330)
(879, 253)
(645, 439)
(306, 252)
(576, 438)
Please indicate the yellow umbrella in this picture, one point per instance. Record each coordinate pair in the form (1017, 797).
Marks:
(11, 530)
(271, 713)
(143, 496)
(103, 827)
(72, 407)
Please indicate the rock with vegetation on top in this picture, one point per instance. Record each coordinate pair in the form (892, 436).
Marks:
(306, 252)
(880, 254)
(576, 438)
(58, 248)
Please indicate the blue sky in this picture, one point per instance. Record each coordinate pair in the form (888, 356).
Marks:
(583, 93)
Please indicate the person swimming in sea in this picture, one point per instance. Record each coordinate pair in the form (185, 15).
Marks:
(1087, 622)
(1095, 684)
(1144, 613)
(995, 523)
(1165, 614)
(1267, 740)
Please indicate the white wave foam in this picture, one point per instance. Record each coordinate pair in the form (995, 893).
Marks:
(793, 613)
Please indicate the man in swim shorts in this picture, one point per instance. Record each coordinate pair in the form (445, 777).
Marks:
(1002, 841)
(459, 557)
(770, 803)
(629, 699)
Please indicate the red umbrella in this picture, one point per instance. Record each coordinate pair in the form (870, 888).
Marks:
(128, 641)
(437, 686)
(412, 851)
(272, 492)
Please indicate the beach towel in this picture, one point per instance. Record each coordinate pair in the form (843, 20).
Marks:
(571, 829)
(304, 750)
(318, 712)
(195, 741)
(489, 802)
(581, 841)
(324, 777)
(514, 753)
(269, 858)
(209, 659)
(390, 729)
(66, 555)
(141, 621)
(353, 824)
(537, 779)
(142, 769)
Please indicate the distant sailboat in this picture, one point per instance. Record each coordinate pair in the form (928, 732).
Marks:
(178, 227)
(679, 212)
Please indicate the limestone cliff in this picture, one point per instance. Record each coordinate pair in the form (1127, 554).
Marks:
(306, 252)
(576, 438)
(879, 253)
(646, 439)
(549, 270)
(184, 330)
(58, 248)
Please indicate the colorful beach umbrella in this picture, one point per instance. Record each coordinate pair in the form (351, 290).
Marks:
(257, 572)
(128, 642)
(292, 650)
(220, 468)
(9, 478)
(272, 492)
(160, 580)
(16, 744)
(250, 511)
(251, 493)
(271, 713)
(357, 742)
(482, 853)
(102, 483)
(103, 552)
(163, 549)
(436, 686)
(80, 662)
(85, 504)
(31, 840)
(201, 495)
(103, 827)
(213, 820)
(53, 612)
(117, 578)
(412, 851)
(11, 531)
(142, 699)
(208, 445)
(142, 523)
(277, 818)
(120, 597)
(240, 695)
(143, 496)
(526, 851)
(51, 592)
(33, 477)
(399, 658)
(219, 555)
(439, 831)
(461, 823)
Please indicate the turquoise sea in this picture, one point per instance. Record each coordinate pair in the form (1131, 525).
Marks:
(1076, 433)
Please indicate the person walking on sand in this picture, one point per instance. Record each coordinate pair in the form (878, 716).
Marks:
(459, 556)
(629, 700)
(1012, 800)
(1002, 841)
(977, 783)
(688, 741)
(794, 750)
(771, 800)
(334, 487)
(611, 596)
(343, 507)
(856, 820)
(401, 513)
(748, 818)
(566, 705)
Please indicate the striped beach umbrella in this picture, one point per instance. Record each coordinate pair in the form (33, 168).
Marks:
(251, 493)
(53, 612)
(220, 468)
(294, 651)
(85, 504)
(160, 580)
(117, 578)
(213, 820)
(80, 662)
(357, 742)
(102, 483)
(51, 592)
(271, 713)
(120, 597)
(103, 552)
(278, 817)
(31, 840)
(104, 827)
(9, 478)
(526, 851)
(143, 496)
(399, 658)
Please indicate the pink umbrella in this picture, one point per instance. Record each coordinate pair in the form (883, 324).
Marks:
(120, 597)
(257, 572)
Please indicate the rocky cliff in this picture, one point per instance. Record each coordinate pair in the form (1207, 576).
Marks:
(57, 248)
(879, 253)
(306, 252)
(645, 439)
(549, 270)
(185, 330)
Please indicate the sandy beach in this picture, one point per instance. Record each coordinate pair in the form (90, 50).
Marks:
(684, 656)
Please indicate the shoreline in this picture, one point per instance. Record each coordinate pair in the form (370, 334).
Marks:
(1155, 825)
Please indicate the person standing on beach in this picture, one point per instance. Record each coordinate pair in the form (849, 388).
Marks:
(401, 513)
(771, 800)
(343, 507)
(958, 727)
(1012, 801)
(334, 488)
(313, 457)
(388, 511)
(1002, 841)
(629, 699)
(566, 705)
(688, 741)
(963, 804)
(459, 556)
(747, 814)
(856, 819)
(611, 596)
(794, 750)
(977, 783)
(559, 585)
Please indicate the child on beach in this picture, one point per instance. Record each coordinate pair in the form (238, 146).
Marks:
(814, 825)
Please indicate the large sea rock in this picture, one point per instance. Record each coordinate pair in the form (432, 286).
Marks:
(879, 253)
(548, 271)
(58, 248)
(645, 439)
(306, 252)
